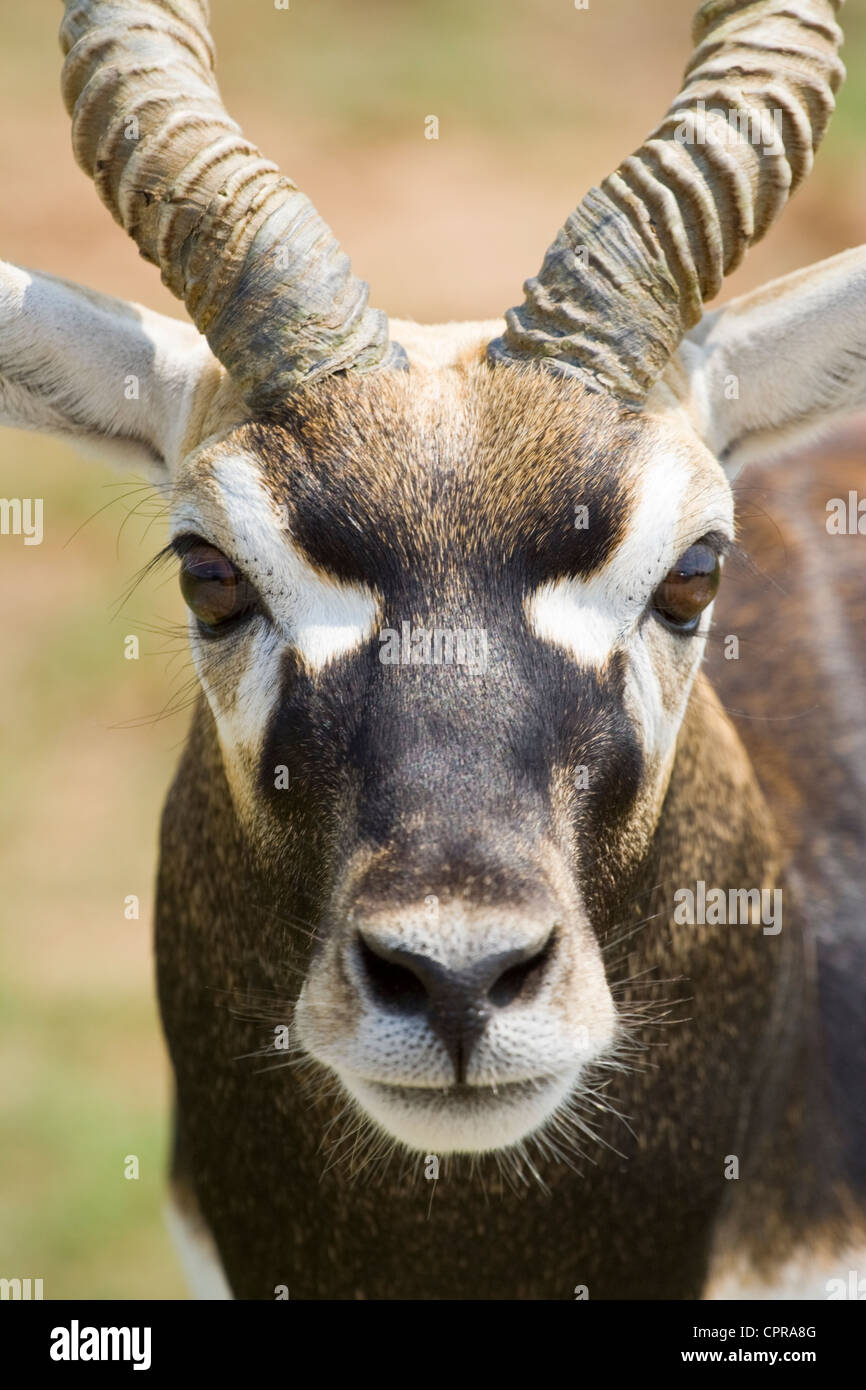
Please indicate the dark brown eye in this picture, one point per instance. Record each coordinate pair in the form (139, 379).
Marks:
(215, 590)
(686, 589)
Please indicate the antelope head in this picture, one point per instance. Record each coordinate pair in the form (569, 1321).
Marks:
(449, 589)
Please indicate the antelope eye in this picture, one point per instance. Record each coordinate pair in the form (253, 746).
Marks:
(214, 589)
(688, 587)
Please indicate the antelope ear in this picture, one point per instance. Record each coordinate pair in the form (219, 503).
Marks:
(114, 378)
(771, 369)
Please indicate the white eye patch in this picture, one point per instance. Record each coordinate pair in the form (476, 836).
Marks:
(320, 617)
(327, 619)
(589, 618)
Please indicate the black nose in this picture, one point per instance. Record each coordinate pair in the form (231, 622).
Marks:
(456, 1003)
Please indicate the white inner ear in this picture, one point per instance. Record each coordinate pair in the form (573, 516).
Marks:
(771, 370)
(322, 618)
(114, 378)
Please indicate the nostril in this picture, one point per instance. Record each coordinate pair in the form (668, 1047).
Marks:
(393, 986)
(519, 979)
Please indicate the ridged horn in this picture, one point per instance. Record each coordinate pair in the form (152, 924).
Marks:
(629, 272)
(259, 271)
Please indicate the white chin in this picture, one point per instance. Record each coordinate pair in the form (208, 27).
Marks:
(471, 1119)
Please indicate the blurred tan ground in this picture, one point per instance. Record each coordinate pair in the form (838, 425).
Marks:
(536, 101)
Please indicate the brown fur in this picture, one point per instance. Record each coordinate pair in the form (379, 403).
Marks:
(737, 1066)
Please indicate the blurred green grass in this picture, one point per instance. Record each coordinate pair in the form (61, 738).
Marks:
(84, 1080)
(68, 1213)
(510, 66)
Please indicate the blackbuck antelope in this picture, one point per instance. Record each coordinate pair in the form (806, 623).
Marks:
(498, 954)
